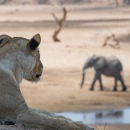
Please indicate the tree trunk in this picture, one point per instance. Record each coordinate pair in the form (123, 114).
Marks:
(117, 3)
(59, 23)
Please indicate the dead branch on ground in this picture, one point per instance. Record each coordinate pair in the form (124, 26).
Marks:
(111, 37)
(59, 23)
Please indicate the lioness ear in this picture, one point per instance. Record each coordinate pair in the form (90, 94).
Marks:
(34, 42)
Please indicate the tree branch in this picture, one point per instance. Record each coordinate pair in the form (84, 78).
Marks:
(59, 24)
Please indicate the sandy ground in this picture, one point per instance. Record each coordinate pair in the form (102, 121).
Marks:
(82, 36)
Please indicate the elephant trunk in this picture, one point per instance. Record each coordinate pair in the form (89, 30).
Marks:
(83, 77)
(83, 74)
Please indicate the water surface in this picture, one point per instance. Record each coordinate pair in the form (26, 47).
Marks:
(118, 116)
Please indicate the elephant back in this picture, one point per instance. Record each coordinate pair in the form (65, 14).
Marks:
(114, 63)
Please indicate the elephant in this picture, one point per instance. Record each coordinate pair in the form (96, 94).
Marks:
(109, 66)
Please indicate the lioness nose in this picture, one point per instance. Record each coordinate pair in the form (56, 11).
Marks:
(37, 75)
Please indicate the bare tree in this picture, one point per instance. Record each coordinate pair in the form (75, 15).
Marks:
(117, 3)
(126, 1)
(59, 23)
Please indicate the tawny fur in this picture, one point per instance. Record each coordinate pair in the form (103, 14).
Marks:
(17, 61)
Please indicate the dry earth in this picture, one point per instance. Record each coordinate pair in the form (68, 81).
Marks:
(82, 36)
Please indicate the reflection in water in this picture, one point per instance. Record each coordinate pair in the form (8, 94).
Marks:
(120, 116)
(112, 114)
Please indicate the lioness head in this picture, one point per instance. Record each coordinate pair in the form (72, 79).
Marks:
(21, 56)
(35, 70)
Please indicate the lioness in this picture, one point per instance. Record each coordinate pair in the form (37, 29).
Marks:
(20, 58)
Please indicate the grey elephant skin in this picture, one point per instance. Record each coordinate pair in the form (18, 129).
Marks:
(109, 66)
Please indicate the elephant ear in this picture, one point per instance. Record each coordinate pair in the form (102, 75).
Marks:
(99, 63)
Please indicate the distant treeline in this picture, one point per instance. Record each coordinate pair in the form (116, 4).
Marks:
(62, 2)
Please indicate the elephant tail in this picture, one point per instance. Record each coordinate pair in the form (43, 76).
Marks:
(83, 77)
(122, 75)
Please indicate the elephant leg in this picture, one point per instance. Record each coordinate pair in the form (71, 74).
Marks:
(100, 81)
(97, 75)
(115, 86)
(122, 82)
(31, 119)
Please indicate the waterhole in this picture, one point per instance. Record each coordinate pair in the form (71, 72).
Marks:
(117, 116)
